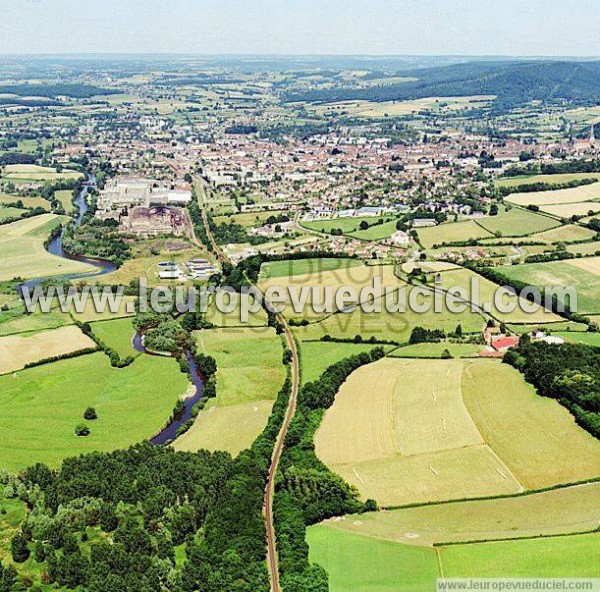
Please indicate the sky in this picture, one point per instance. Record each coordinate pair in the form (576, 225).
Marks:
(313, 27)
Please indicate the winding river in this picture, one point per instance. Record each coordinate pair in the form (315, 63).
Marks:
(168, 433)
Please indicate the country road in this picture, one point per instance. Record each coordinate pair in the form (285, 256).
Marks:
(291, 410)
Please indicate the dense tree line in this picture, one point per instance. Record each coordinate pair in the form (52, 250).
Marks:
(541, 186)
(52, 91)
(567, 372)
(421, 335)
(308, 491)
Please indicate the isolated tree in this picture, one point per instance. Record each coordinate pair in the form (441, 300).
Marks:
(19, 549)
(82, 430)
(90, 414)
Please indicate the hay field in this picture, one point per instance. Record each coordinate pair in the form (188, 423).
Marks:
(401, 438)
(435, 350)
(585, 248)
(35, 173)
(451, 232)
(558, 196)
(412, 440)
(586, 208)
(10, 213)
(91, 315)
(40, 407)
(233, 319)
(565, 234)
(23, 252)
(463, 278)
(527, 432)
(247, 384)
(560, 511)
(517, 222)
(550, 179)
(395, 327)
(16, 351)
(582, 274)
(357, 277)
(28, 202)
(369, 109)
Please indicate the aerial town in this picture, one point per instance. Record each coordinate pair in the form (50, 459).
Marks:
(274, 439)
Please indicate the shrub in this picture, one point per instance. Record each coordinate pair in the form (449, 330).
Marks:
(82, 430)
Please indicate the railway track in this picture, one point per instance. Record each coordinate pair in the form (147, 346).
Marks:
(272, 559)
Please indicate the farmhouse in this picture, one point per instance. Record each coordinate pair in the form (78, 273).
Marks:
(503, 344)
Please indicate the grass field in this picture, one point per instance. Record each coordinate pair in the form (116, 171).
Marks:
(249, 219)
(435, 350)
(347, 225)
(487, 291)
(449, 437)
(582, 274)
(23, 252)
(91, 315)
(585, 248)
(376, 232)
(365, 564)
(117, 334)
(517, 222)
(34, 173)
(276, 269)
(247, 384)
(450, 232)
(14, 320)
(580, 337)
(361, 564)
(385, 109)
(233, 318)
(358, 277)
(572, 556)
(317, 356)
(16, 351)
(28, 202)
(395, 327)
(550, 179)
(66, 199)
(559, 196)
(41, 406)
(9, 213)
(560, 511)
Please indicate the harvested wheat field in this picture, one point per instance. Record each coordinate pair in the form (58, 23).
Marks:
(405, 431)
(16, 351)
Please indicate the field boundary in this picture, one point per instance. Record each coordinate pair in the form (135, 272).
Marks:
(493, 497)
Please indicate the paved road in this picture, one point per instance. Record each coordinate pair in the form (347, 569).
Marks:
(291, 410)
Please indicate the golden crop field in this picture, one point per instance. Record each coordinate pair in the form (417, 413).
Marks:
(451, 232)
(558, 196)
(572, 209)
(23, 252)
(16, 351)
(559, 511)
(405, 431)
(463, 278)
